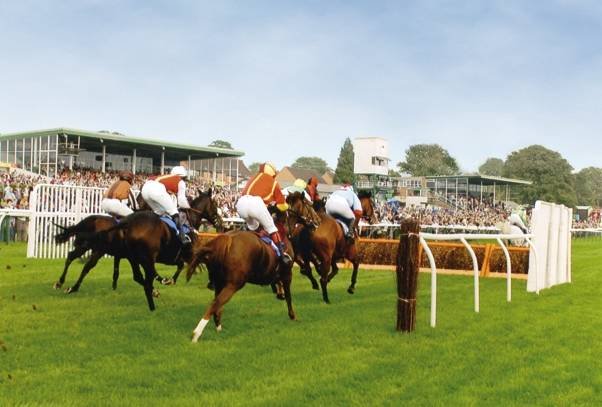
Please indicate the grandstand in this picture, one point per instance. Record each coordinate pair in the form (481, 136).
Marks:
(49, 151)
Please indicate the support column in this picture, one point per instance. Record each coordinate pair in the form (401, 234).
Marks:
(189, 163)
(506, 193)
(456, 193)
(494, 194)
(481, 192)
(237, 160)
(215, 170)
(134, 161)
(162, 161)
(104, 158)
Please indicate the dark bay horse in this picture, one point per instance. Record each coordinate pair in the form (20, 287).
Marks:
(86, 238)
(328, 244)
(234, 259)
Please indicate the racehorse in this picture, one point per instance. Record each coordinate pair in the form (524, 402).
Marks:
(328, 243)
(506, 228)
(148, 240)
(86, 231)
(234, 259)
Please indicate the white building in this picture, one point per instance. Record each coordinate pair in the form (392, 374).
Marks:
(371, 156)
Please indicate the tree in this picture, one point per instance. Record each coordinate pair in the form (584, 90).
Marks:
(550, 173)
(588, 186)
(221, 144)
(344, 171)
(492, 166)
(311, 163)
(393, 173)
(428, 159)
(254, 167)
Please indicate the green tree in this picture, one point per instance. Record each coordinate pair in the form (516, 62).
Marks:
(550, 173)
(221, 144)
(492, 166)
(393, 173)
(344, 171)
(254, 167)
(588, 186)
(428, 159)
(311, 163)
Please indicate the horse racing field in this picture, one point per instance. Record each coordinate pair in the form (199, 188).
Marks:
(102, 347)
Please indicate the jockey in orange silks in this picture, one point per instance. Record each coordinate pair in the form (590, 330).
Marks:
(261, 191)
(157, 194)
(312, 189)
(344, 204)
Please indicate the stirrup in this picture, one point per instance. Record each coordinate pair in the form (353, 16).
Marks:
(286, 259)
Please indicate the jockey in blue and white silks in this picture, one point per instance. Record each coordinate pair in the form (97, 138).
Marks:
(344, 204)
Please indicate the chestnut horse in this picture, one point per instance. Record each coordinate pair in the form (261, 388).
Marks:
(234, 259)
(327, 244)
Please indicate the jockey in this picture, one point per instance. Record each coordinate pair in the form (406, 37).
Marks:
(261, 191)
(312, 189)
(344, 204)
(115, 201)
(156, 192)
(298, 186)
(515, 219)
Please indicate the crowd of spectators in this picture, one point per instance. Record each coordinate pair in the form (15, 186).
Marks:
(15, 188)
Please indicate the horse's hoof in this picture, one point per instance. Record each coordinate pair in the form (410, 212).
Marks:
(280, 297)
(57, 285)
(210, 286)
(167, 281)
(195, 337)
(219, 328)
(351, 290)
(114, 287)
(70, 290)
(156, 293)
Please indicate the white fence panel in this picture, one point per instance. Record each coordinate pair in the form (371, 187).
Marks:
(551, 227)
(52, 205)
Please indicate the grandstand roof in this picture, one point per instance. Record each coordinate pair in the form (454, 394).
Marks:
(118, 143)
(484, 179)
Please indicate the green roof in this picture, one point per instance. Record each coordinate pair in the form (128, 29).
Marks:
(122, 144)
(478, 179)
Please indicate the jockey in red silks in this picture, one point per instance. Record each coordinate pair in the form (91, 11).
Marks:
(261, 191)
(344, 204)
(312, 189)
(118, 200)
(157, 193)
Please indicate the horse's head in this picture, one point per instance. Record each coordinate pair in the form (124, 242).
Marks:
(368, 212)
(204, 207)
(319, 206)
(301, 209)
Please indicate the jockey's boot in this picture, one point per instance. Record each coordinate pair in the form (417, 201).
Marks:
(350, 235)
(184, 238)
(285, 258)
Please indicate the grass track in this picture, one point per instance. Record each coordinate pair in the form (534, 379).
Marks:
(101, 346)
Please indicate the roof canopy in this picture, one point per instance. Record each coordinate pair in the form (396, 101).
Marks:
(480, 179)
(117, 143)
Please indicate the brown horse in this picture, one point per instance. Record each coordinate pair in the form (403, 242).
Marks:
(113, 245)
(327, 244)
(234, 259)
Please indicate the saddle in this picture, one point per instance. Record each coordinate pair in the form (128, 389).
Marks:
(172, 225)
(263, 236)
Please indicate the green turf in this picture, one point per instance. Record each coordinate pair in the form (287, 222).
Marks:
(100, 347)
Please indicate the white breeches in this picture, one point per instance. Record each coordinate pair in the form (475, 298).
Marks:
(254, 212)
(338, 206)
(514, 219)
(115, 207)
(157, 197)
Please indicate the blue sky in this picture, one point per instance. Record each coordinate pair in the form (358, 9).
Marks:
(281, 79)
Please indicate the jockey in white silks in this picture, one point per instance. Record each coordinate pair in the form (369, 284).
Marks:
(516, 218)
(344, 204)
(157, 193)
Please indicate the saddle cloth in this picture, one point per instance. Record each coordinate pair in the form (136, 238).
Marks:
(343, 225)
(266, 239)
(172, 225)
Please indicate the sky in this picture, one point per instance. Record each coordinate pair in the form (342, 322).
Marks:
(284, 79)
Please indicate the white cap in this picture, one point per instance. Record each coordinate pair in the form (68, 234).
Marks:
(179, 170)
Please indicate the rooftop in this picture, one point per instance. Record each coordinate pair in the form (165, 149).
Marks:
(484, 179)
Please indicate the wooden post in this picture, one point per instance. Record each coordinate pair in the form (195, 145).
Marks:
(407, 275)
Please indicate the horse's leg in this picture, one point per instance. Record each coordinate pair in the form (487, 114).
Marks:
(305, 268)
(219, 301)
(136, 273)
(150, 274)
(324, 268)
(356, 265)
(73, 254)
(116, 260)
(286, 279)
(335, 270)
(94, 257)
(174, 279)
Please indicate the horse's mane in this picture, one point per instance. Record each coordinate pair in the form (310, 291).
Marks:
(364, 194)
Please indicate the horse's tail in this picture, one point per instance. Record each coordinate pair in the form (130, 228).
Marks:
(67, 232)
(214, 251)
